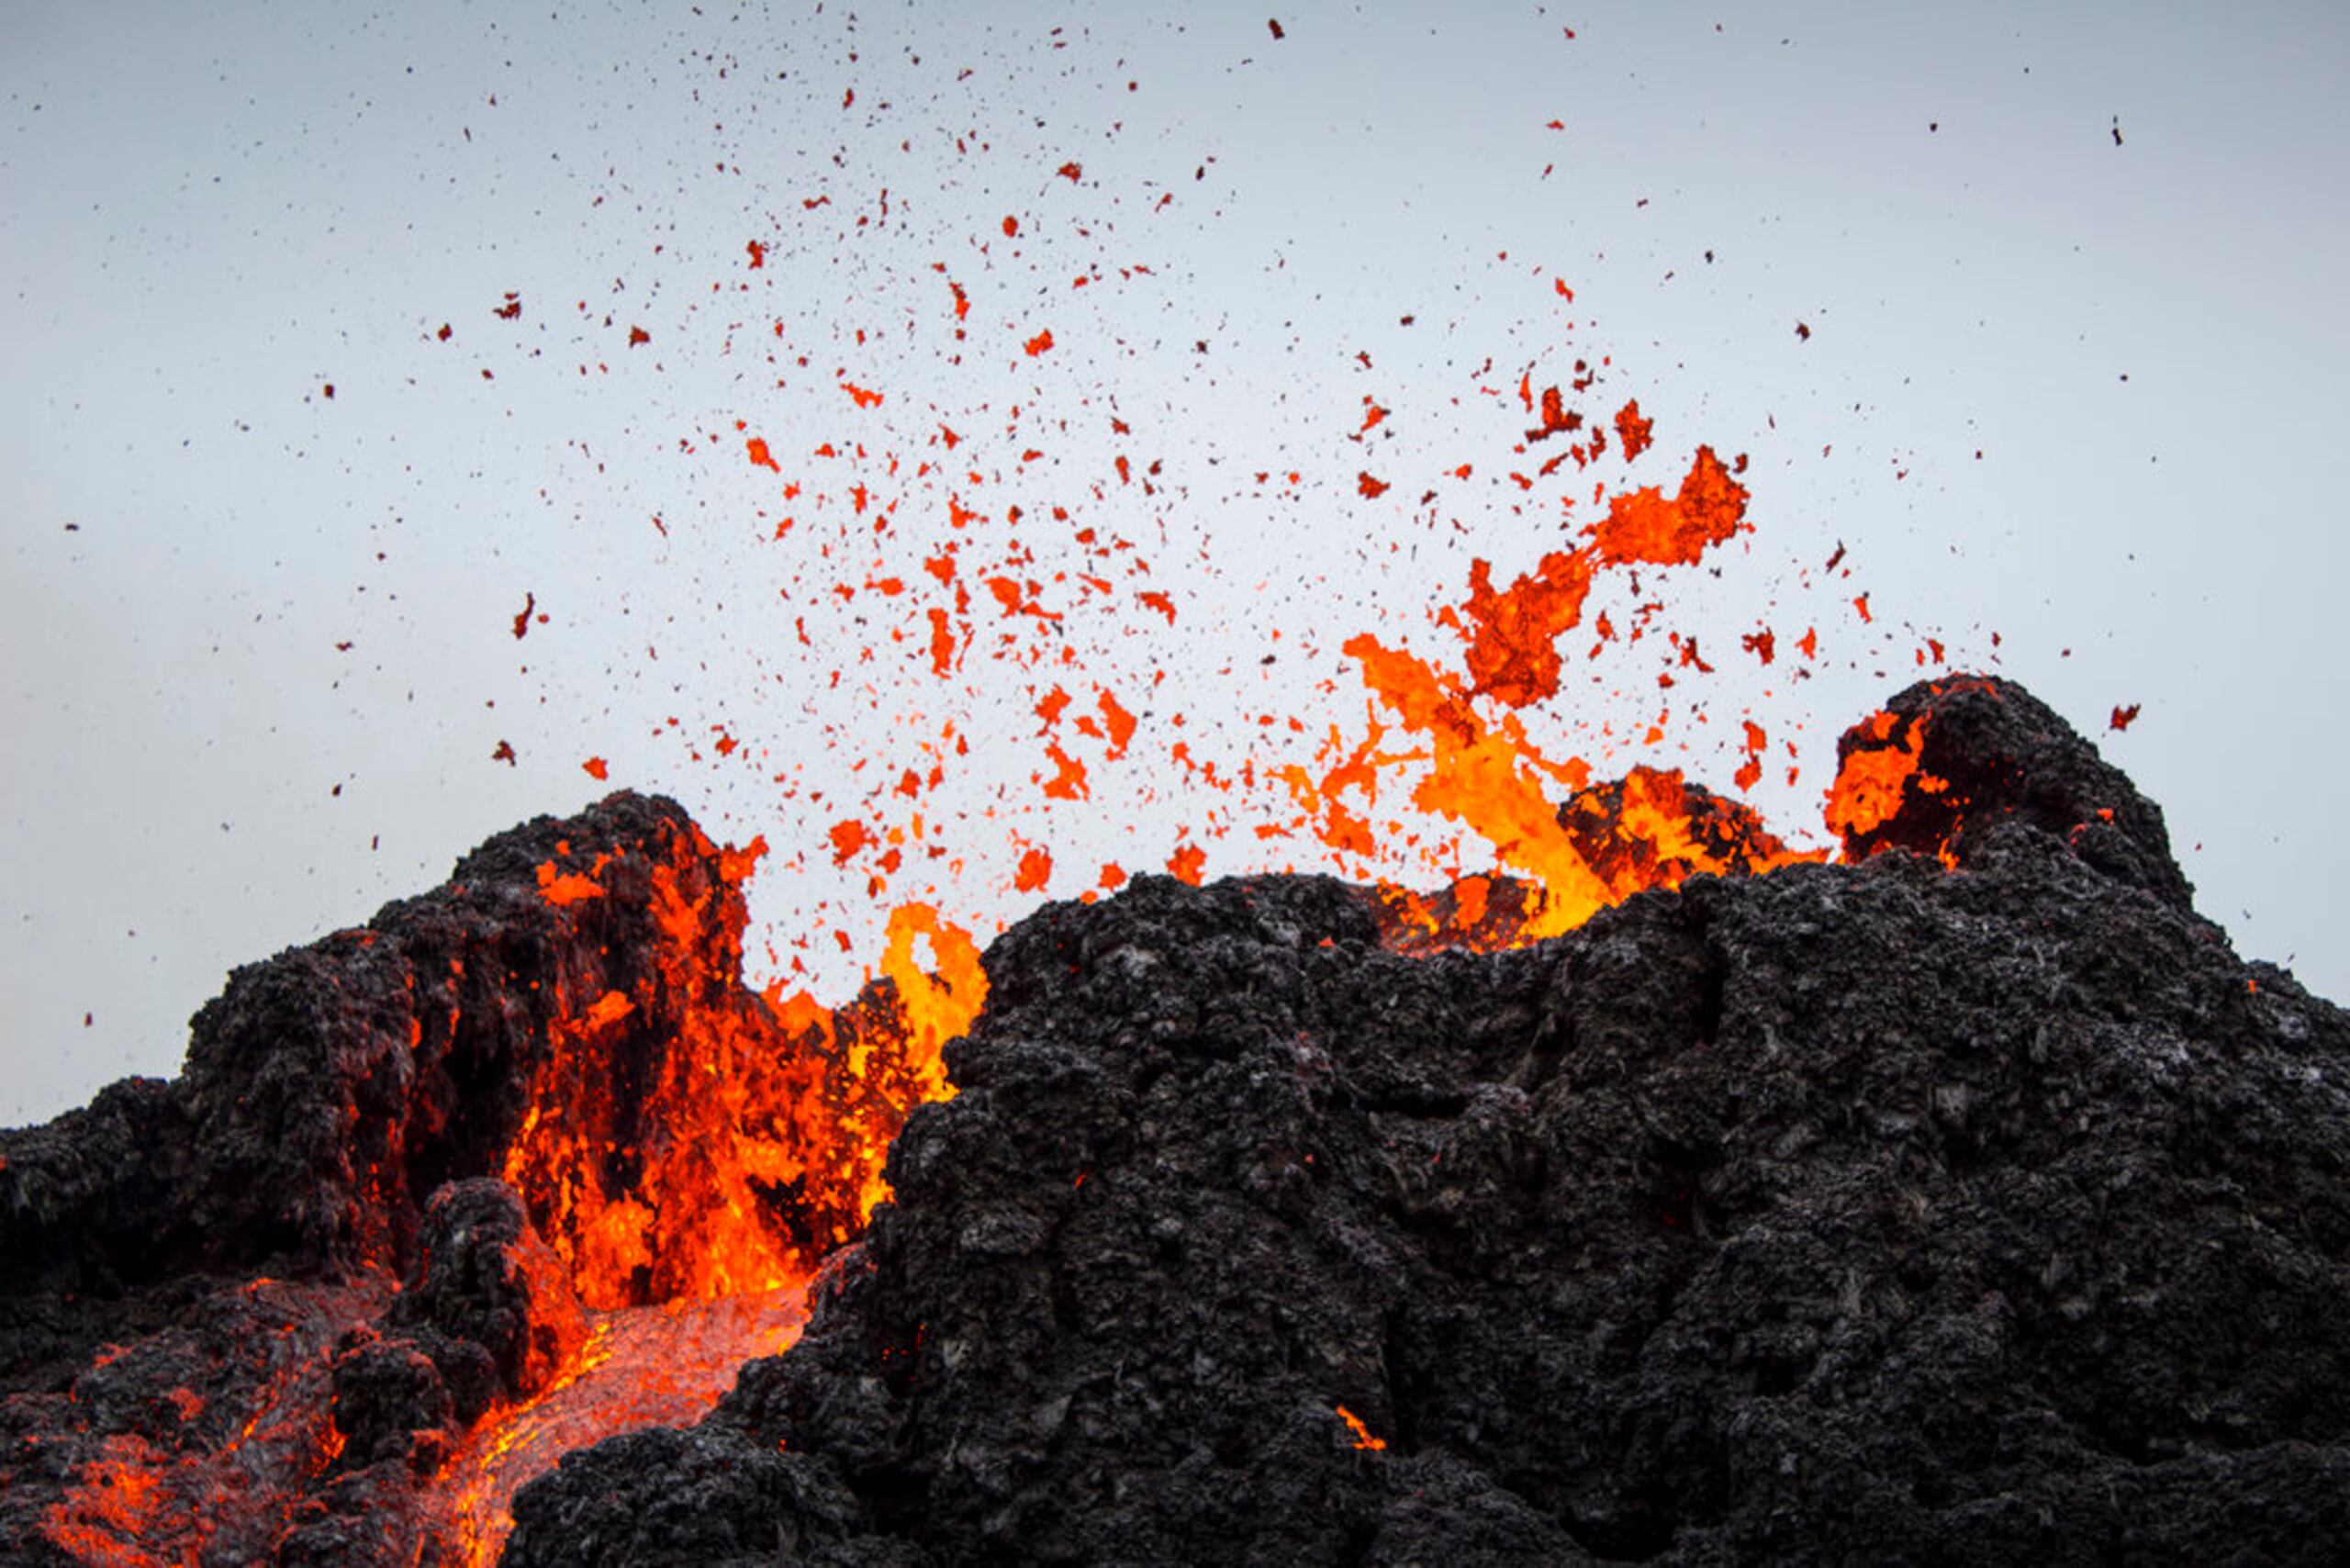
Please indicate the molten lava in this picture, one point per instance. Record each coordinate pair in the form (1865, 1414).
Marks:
(681, 1145)
(651, 1366)
(1868, 786)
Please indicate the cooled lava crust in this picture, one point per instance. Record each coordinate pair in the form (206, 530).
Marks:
(1969, 1202)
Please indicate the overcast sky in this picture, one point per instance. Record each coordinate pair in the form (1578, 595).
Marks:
(2033, 311)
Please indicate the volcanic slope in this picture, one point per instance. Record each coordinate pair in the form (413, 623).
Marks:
(1970, 1202)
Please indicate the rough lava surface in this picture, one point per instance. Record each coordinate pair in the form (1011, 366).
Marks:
(1968, 1202)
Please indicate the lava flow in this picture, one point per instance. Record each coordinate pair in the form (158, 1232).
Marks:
(694, 1152)
(655, 1366)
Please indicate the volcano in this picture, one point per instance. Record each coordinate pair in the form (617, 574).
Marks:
(1965, 1199)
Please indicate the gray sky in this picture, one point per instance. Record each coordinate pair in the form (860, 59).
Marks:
(2097, 245)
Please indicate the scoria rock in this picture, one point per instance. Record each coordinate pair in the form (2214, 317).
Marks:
(489, 1278)
(1995, 755)
(1874, 1212)
(330, 1090)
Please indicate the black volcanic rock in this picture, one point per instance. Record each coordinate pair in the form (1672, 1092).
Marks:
(1876, 1213)
(388, 1396)
(1999, 758)
(487, 1278)
(1970, 1201)
(330, 1090)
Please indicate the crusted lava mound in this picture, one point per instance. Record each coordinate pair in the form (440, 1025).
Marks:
(1968, 1202)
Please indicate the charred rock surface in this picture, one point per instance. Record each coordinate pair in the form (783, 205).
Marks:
(1872, 1213)
(1991, 757)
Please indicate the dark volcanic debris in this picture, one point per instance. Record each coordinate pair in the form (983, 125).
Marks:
(1969, 1201)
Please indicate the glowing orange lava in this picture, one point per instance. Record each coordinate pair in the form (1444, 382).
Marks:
(649, 1366)
(755, 1147)
(1363, 1434)
(1868, 786)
